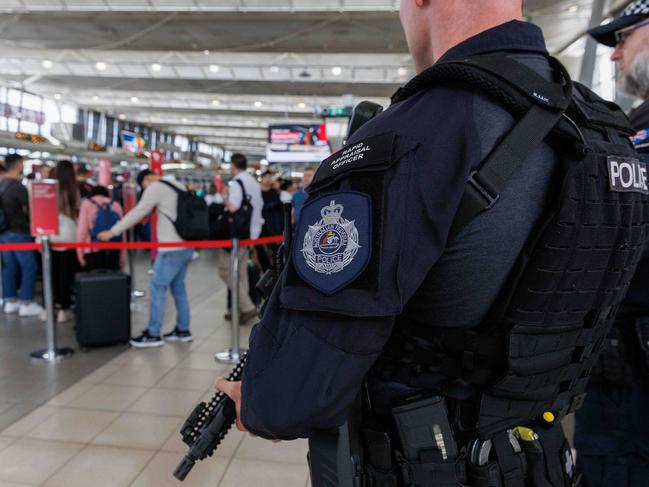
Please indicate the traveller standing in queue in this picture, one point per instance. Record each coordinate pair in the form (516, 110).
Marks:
(431, 278)
(65, 263)
(243, 189)
(170, 268)
(273, 221)
(14, 225)
(611, 429)
(300, 196)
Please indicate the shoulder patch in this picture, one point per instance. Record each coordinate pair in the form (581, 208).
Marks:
(333, 241)
(627, 175)
(372, 151)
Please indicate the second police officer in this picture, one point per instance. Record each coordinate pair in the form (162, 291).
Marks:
(393, 272)
(611, 429)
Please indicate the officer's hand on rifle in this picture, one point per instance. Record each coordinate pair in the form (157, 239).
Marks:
(233, 391)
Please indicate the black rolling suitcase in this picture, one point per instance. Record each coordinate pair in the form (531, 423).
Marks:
(102, 308)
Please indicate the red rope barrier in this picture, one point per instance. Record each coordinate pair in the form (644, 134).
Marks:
(198, 244)
(20, 246)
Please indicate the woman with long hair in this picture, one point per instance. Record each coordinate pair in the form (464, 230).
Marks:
(64, 262)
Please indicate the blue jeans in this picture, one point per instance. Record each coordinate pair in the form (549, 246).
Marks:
(12, 261)
(169, 271)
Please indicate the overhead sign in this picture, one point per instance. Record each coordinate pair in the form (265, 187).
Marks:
(44, 207)
(297, 143)
(24, 114)
(334, 112)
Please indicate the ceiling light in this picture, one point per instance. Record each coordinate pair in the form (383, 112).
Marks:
(301, 105)
(258, 104)
(47, 64)
(122, 116)
(214, 68)
(573, 8)
(274, 69)
(216, 102)
(134, 99)
(100, 66)
(57, 96)
(402, 71)
(206, 52)
(183, 120)
(336, 70)
(156, 67)
(95, 98)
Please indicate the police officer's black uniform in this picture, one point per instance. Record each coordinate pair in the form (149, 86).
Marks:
(372, 260)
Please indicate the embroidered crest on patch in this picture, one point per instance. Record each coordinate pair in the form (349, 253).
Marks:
(334, 233)
(331, 244)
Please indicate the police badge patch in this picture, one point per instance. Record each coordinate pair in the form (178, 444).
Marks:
(333, 241)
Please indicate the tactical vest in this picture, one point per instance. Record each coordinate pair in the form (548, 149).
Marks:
(535, 352)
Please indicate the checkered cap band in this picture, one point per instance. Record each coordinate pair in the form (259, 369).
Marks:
(639, 7)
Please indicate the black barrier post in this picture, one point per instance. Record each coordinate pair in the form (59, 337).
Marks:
(51, 353)
(233, 354)
(135, 293)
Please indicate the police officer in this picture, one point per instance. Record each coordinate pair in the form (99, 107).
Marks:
(374, 256)
(611, 429)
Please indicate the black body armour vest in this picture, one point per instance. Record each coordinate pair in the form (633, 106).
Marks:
(535, 352)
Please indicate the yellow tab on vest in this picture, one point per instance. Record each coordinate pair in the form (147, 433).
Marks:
(548, 417)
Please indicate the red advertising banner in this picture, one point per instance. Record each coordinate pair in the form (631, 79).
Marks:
(218, 181)
(44, 207)
(104, 177)
(157, 158)
(130, 196)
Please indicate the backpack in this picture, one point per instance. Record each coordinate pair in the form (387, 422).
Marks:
(105, 219)
(192, 215)
(228, 225)
(240, 219)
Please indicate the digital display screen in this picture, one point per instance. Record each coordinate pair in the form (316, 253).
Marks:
(297, 143)
(132, 142)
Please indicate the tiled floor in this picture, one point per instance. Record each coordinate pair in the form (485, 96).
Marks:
(118, 426)
(24, 385)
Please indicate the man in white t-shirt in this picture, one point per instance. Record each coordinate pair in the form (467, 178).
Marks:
(238, 166)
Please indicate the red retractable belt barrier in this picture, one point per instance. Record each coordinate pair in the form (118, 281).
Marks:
(199, 244)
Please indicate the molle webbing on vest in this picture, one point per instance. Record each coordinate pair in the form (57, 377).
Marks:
(566, 298)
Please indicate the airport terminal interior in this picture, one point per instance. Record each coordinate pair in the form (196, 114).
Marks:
(180, 88)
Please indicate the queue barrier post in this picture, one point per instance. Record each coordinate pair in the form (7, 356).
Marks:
(233, 354)
(50, 354)
(135, 293)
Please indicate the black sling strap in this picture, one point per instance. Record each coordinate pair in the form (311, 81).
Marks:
(484, 186)
(538, 103)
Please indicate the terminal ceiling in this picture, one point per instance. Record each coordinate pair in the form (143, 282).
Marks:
(223, 69)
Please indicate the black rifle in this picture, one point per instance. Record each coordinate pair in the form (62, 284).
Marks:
(207, 425)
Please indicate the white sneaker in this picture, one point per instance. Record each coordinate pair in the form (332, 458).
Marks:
(11, 307)
(31, 309)
(63, 315)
